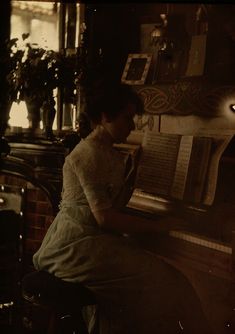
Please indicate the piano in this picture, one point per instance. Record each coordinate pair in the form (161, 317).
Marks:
(207, 245)
(205, 252)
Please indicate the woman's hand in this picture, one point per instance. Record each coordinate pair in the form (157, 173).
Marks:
(113, 219)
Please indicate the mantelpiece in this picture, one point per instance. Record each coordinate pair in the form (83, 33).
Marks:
(187, 97)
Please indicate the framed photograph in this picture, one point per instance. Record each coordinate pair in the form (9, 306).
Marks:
(136, 68)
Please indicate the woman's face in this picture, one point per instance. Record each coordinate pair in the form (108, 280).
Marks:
(120, 127)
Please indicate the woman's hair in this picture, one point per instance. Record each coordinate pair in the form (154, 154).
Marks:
(110, 99)
(84, 125)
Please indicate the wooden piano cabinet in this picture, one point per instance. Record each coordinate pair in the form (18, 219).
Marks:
(233, 254)
(207, 261)
(201, 254)
(205, 253)
(209, 266)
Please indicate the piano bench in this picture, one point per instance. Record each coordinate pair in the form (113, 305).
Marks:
(61, 301)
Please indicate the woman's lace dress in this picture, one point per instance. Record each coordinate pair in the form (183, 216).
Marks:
(137, 292)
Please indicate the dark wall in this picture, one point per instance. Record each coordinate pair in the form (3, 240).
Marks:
(5, 10)
(220, 61)
(115, 28)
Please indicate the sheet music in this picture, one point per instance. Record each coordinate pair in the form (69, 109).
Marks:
(221, 142)
(182, 166)
(157, 166)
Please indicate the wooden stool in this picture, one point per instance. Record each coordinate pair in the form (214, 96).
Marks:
(62, 300)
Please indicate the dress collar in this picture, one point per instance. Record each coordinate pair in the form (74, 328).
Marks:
(101, 135)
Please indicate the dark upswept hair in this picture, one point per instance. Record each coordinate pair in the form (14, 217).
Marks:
(110, 99)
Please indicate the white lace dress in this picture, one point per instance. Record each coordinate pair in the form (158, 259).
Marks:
(137, 292)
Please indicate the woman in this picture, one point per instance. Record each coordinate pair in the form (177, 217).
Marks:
(137, 292)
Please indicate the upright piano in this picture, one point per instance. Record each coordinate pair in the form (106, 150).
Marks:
(205, 251)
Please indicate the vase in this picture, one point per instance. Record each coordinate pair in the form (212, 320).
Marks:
(33, 107)
(48, 115)
(5, 107)
(4, 117)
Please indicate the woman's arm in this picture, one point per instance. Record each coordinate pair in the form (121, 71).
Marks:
(117, 221)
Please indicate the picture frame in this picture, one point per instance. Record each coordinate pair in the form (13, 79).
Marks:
(136, 68)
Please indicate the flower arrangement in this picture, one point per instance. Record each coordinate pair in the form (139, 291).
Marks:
(33, 70)
(33, 74)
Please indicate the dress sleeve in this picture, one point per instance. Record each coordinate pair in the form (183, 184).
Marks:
(94, 180)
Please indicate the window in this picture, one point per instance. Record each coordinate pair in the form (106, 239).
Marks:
(52, 26)
(39, 19)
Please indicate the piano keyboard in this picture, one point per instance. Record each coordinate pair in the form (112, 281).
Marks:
(201, 241)
(155, 204)
(149, 204)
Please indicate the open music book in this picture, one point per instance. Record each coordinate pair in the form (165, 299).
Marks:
(181, 167)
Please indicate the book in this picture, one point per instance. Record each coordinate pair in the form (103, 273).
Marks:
(181, 167)
(197, 55)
